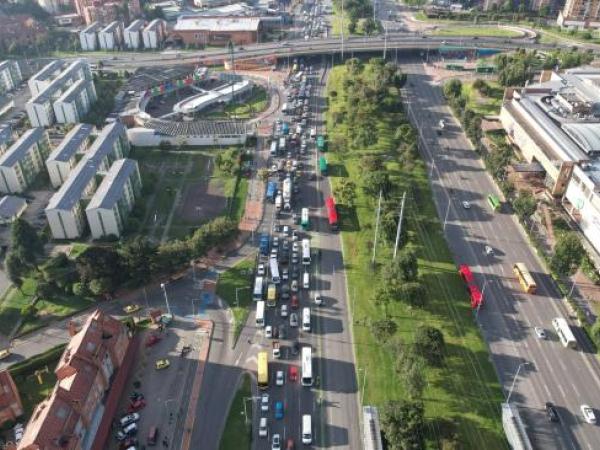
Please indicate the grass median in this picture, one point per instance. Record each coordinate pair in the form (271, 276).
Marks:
(464, 395)
(486, 31)
(237, 434)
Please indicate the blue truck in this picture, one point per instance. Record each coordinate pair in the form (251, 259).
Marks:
(264, 244)
(271, 191)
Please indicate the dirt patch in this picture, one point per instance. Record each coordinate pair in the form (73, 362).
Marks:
(203, 200)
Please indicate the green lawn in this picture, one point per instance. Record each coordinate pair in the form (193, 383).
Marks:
(77, 249)
(14, 300)
(237, 434)
(484, 31)
(489, 104)
(246, 109)
(239, 200)
(465, 392)
(238, 277)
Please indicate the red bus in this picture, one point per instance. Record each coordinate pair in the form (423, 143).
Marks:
(466, 274)
(476, 296)
(331, 213)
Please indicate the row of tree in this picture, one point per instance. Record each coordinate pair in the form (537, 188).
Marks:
(471, 121)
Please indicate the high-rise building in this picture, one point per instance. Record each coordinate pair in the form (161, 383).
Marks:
(10, 76)
(580, 14)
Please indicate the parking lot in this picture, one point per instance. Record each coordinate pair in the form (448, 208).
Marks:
(160, 395)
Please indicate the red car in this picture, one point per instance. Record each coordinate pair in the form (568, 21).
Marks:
(294, 303)
(290, 444)
(151, 340)
(136, 405)
(293, 373)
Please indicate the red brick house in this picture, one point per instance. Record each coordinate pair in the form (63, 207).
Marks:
(10, 400)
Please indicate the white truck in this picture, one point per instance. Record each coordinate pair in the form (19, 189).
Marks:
(287, 194)
(278, 202)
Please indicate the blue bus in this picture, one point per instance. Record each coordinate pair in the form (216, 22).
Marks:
(285, 128)
(264, 244)
(271, 191)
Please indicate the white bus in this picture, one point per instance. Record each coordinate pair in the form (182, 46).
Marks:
(258, 288)
(282, 144)
(274, 267)
(307, 378)
(273, 151)
(260, 314)
(305, 252)
(307, 429)
(566, 336)
(306, 319)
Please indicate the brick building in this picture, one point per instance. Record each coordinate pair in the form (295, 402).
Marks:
(69, 418)
(10, 401)
(217, 30)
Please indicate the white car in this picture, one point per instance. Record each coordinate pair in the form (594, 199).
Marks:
(286, 230)
(269, 331)
(279, 378)
(260, 271)
(588, 413)
(275, 242)
(264, 402)
(540, 333)
(489, 250)
(263, 428)
(276, 442)
(284, 310)
(293, 320)
(295, 286)
(466, 205)
(318, 299)
(295, 246)
(285, 274)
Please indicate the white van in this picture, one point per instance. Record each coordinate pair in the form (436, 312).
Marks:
(130, 429)
(263, 431)
(306, 319)
(306, 280)
(306, 429)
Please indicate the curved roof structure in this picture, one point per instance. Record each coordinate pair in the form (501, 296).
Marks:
(586, 135)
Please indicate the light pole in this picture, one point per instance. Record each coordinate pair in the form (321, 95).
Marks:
(515, 380)
(485, 283)
(164, 288)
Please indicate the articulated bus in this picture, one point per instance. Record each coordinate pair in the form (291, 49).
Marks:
(566, 336)
(525, 279)
(263, 370)
(307, 377)
(304, 219)
(305, 252)
(323, 165)
(271, 295)
(494, 202)
(332, 215)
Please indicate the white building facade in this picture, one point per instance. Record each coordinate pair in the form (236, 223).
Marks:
(75, 102)
(132, 36)
(88, 37)
(21, 163)
(111, 36)
(63, 158)
(10, 76)
(154, 34)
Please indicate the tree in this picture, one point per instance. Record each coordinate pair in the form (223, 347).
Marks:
(408, 264)
(99, 286)
(382, 296)
(263, 174)
(369, 26)
(345, 192)
(28, 311)
(100, 262)
(16, 269)
(26, 242)
(429, 342)
(452, 88)
(60, 271)
(403, 424)
(372, 163)
(352, 26)
(375, 182)
(568, 253)
(413, 293)
(383, 329)
(525, 205)
(405, 133)
(138, 257)
(389, 227)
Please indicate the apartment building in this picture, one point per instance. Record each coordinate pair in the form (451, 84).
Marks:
(132, 36)
(6, 137)
(10, 76)
(70, 417)
(21, 163)
(155, 33)
(11, 407)
(63, 158)
(40, 81)
(65, 211)
(580, 14)
(75, 102)
(40, 108)
(89, 37)
(111, 36)
(110, 206)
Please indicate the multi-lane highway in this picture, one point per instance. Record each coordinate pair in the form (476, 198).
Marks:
(566, 377)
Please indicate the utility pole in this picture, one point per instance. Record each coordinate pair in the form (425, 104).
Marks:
(376, 228)
(399, 229)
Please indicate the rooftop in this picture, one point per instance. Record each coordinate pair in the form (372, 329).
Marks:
(111, 189)
(92, 28)
(214, 24)
(586, 135)
(73, 92)
(59, 82)
(71, 143)
(5, 133)
(11, 205)
(154, 25)
(136, 25)
(111, 27)
(49, 70)
(17, 151)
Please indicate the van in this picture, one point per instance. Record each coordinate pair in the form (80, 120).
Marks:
(263, 431)
(306, 280)
(152, 436)
(306, 429)
(131, 429)
(305, 319)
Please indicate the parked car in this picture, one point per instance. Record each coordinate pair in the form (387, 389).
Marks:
(293, 320)
(264, 402)
(279, 410)
(279, 378)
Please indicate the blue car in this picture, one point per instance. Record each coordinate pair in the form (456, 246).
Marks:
(279, 410)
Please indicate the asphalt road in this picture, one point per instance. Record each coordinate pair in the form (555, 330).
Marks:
(566, 377)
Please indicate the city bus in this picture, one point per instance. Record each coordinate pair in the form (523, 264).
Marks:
(271, 191)
(263, 370)
(323, 165)
(260, 314)
(307, 377)
(305, 252)
(258, 288)
(274, 268)
(273, 149)
(321, 143)
(281, 147)
(331, 213)
(304, 219)
(566, 336)
(494, 202)
(271, 295)
(525, 279)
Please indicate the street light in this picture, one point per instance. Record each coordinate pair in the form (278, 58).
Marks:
(527, 363)
(164, 288)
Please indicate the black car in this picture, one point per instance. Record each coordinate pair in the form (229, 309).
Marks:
(281, 328)
(551, 412)
(296, 348)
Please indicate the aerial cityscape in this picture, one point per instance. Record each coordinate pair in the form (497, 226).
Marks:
(276, 224)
